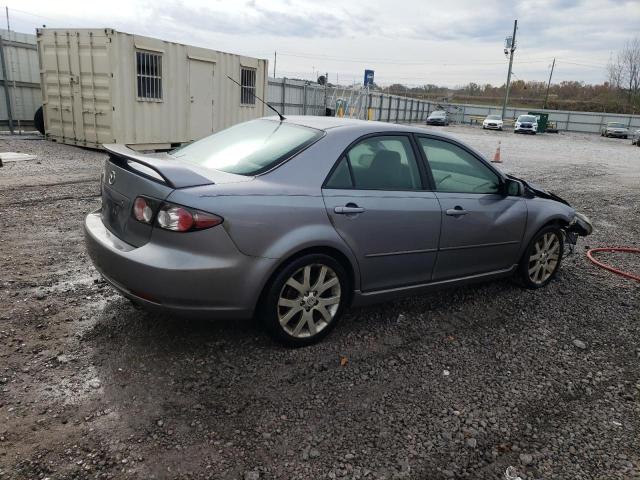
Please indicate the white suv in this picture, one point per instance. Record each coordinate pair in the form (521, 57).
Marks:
(526, 124)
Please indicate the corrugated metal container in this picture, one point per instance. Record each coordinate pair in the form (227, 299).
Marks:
(20, 83)
(103, 86)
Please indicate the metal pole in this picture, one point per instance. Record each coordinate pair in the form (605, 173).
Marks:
(513, 47)
(5, 83)
(546, 96)
(304, 99)
(326, 83)
(6, 9)
(284, 94)
(275, 62)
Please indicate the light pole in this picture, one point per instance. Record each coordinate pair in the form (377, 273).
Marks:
(546, 96)
(509, 49)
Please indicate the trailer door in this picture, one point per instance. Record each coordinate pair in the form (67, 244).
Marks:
(201, 98)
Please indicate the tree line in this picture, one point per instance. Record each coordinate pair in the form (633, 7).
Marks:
(619, 94)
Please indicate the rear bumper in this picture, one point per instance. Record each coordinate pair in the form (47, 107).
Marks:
(179, 273)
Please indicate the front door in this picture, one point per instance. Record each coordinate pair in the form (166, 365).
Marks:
(482, 228)
(201, 98)
(377, 204)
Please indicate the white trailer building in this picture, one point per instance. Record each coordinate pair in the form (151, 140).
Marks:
(103, 86)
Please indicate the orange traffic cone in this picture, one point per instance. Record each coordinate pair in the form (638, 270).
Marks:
(496, 157)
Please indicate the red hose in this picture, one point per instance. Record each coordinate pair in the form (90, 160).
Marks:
(609, 267)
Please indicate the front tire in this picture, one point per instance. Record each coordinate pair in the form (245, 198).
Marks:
(542, 258)
(305, 300)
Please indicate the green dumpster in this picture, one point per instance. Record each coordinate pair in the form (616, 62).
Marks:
(543, 120)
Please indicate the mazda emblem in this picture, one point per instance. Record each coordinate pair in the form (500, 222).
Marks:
(112, 177)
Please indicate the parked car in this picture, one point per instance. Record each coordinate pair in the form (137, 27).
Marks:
(526, 124)
(295, 220)
(492, 122)
(438, 117)
(615, 129)
(635, 137)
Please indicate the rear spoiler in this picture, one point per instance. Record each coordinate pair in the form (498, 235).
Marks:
(168, 171)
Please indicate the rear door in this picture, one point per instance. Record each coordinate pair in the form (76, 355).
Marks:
(201, 98)
(377, 202)
(482, 229)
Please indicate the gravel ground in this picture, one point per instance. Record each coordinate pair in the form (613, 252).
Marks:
(462, 383)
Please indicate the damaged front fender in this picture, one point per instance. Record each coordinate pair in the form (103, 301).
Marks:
(580, 225)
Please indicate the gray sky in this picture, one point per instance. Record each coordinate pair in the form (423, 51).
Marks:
(407, 41)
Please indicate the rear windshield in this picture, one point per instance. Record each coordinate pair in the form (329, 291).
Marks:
(616, 125)
(526, 118)
(249, 148)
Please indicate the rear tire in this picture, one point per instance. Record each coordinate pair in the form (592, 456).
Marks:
(305, 300)
(542, 258)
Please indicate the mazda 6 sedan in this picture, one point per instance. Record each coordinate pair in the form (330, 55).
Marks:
(294, 221)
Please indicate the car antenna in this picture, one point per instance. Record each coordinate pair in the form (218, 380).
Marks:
(282, 117)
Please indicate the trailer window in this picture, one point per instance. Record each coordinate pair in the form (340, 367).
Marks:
(248, 82)
(149, 76)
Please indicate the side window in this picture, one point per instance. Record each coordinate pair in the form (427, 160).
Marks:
(378, 163)
(341, 177)
(457, 171)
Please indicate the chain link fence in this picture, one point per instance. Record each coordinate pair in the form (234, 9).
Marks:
(297, 97)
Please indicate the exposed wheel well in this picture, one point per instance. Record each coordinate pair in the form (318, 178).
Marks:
(332, 252)
(557, 222)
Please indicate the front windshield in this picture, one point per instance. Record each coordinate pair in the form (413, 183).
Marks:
(526, 118)
(617, 125)
(494, 117)
(438, 114)
(249, 148)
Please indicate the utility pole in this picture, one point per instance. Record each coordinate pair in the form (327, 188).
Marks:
(6, 9)
(546, 96)
(275, 61)
(511, 49)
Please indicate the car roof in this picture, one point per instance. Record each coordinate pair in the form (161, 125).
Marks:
(361, 126)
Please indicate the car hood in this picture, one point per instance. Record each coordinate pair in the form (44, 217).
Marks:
(539, 191)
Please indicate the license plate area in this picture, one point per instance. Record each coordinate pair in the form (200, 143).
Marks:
(115, 211)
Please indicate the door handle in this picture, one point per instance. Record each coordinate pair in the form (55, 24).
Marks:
(348, 209)
(458, 211)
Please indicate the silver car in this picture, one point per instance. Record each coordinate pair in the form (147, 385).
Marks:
(615, 129)
(296, 220)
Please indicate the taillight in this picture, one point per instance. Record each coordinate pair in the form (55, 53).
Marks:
(182, 219)
(143, 210)
(173, 217)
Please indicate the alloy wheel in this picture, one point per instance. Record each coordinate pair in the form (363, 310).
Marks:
(309, 300)
(544, 258)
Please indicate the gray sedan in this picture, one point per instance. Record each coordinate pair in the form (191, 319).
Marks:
(294, 221)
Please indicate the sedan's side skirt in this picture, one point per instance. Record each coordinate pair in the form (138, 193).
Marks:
(367, 298)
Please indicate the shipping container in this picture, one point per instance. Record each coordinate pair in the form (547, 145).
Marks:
(103, 86)
(20, 95)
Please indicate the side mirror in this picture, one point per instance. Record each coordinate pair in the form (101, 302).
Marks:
(512, 188)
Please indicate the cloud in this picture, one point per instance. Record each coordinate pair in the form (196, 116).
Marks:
(254, 19)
